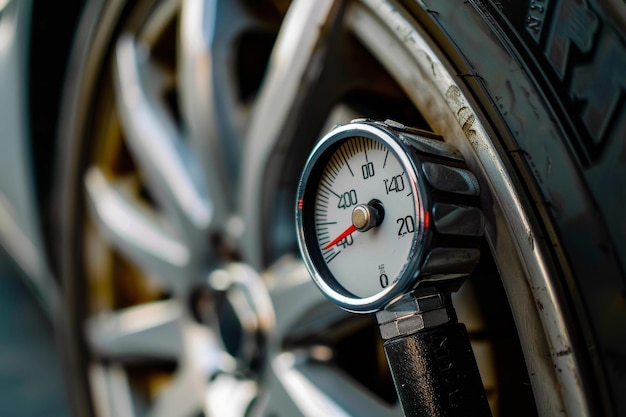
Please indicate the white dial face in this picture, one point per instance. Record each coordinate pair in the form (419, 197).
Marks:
(364, 172)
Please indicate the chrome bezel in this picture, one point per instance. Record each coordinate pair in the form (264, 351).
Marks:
(307, 240)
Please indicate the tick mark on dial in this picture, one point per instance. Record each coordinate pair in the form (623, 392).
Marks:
(329, 189)
(343, 154)
(332, 257)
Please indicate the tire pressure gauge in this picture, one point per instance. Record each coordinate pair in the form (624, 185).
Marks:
(388, 222)
(380, 210)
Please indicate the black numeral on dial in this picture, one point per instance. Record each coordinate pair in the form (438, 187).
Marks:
(347, 199)
(395, 184)
(384, 281)
(407, 225)
(346, 241)
(367, 170)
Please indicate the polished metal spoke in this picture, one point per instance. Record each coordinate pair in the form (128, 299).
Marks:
(136, 231)
(111, 391)
(291, 281)
(149, 331)
(315, 389)
(241, 393)
(202, 359)
(210, 102)
(169, 169)
(290, 61)
(308, 383)
(183, 397)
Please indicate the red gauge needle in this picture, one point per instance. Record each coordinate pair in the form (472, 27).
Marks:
(343, 234)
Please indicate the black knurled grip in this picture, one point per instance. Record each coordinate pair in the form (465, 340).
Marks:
(436, 375)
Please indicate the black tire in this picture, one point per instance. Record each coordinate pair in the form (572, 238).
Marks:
(550, 76)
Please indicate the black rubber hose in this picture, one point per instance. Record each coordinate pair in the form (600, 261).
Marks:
(436, 375)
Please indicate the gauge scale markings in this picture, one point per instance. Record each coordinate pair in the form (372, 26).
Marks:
(376, 180)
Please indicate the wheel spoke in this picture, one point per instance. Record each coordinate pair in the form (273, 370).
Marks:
(209, 95)
(170, 402)
(293, 52)
(317, 389)
(301, 346)
(135, 231)
(111, 391)
(202, 359)
(170, 170)
(294, 283)
(240, 392)
(152, 330)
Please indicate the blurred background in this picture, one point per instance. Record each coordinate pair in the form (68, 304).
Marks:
(32, 68)
(31, 378)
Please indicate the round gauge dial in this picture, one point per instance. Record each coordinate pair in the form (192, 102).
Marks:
(363, 182)
(360, 216)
